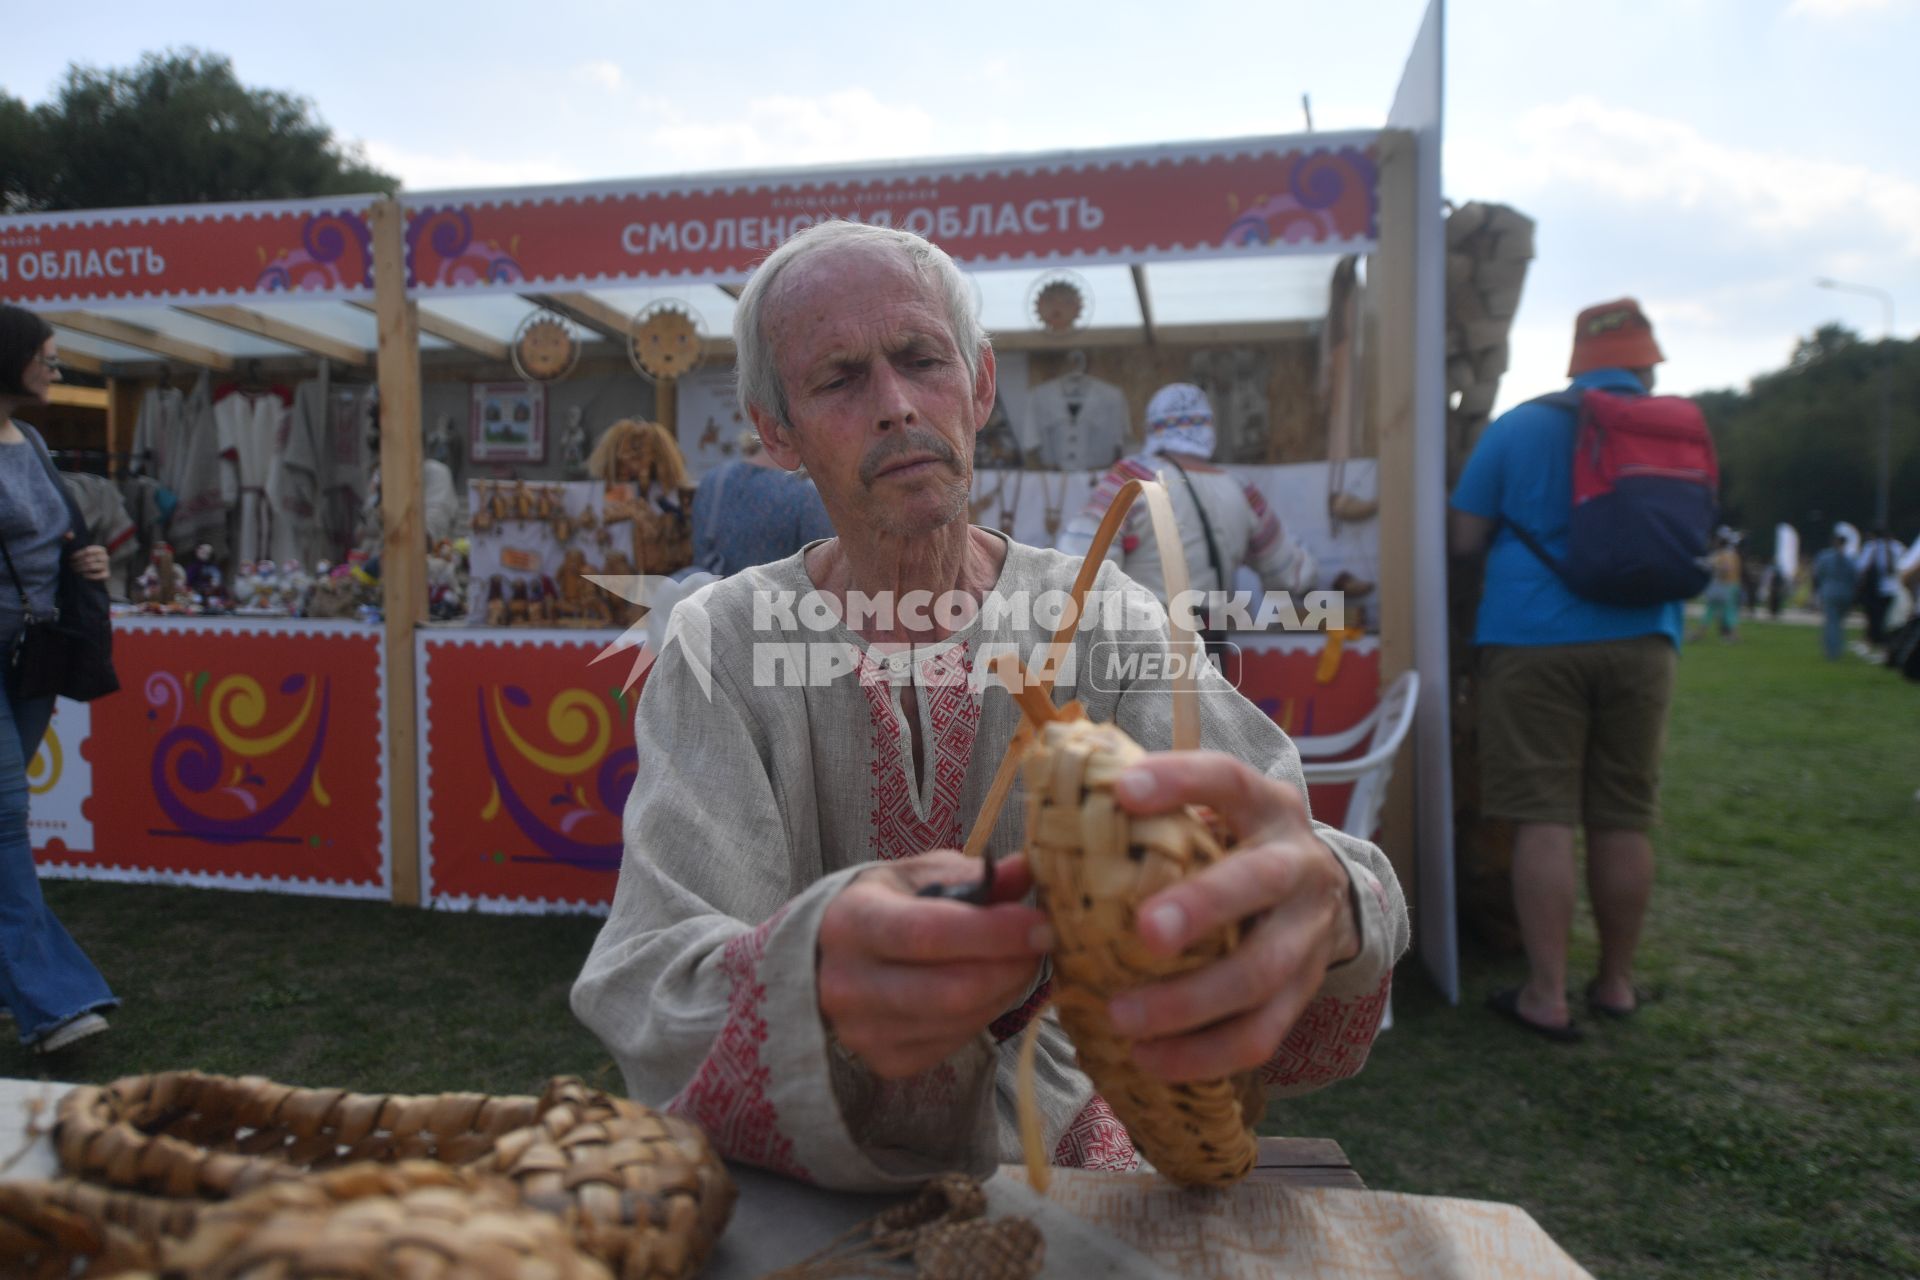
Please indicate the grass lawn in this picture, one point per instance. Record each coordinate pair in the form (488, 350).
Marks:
(1762, 1120)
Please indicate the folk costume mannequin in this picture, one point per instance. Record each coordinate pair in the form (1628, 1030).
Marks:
(1078, 423)
(1239, 528)
(768, 968)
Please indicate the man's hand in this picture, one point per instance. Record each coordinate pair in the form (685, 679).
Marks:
(1281, 879)
(906, 982)
(90, 563)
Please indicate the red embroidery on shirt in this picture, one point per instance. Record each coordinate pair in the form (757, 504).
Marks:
(1329, 1042)
(727, 1096)
(1096, 1140)
(953, 712)
(1266, 525)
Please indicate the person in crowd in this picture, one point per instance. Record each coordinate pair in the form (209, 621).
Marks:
(56, 995)
(769, 967)
(748, 511)
(1224, 523)
(1836, 580)
(1723, 590)
(1573, 694)
(1878, 562)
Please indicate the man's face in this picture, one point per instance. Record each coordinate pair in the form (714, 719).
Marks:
(883, 410)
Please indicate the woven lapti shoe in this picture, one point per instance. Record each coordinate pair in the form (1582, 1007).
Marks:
(1093, 865)
(643, 1192)
(419, 1219)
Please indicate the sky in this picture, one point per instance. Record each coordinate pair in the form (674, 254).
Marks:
(1709, 157)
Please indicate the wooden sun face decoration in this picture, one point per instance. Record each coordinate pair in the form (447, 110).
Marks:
(665, 342)
(545, 348)
(1060, 305)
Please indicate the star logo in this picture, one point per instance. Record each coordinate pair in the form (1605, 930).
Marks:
(676, 612)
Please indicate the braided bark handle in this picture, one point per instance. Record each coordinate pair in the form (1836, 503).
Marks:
(1186, 696)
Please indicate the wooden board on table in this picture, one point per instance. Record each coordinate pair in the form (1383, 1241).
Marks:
(1305, 1162)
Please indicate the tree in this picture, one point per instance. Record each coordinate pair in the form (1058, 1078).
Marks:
(179, 128)
(1799, 445)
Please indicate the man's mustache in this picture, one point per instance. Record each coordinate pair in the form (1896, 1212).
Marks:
(909, 441)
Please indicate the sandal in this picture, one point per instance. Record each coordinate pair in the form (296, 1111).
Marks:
(1601, 1009)
(1507, 1005)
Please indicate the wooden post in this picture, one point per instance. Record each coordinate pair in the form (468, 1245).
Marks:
(666, 406)
(123, 414)
(1391, 287)
(403, 548)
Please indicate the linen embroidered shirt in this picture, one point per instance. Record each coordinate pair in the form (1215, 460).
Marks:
(755, 805)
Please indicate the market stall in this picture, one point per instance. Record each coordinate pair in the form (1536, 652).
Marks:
(506, 329)
(236, 756)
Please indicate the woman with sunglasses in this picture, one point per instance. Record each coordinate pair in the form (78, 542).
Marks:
(54, 992)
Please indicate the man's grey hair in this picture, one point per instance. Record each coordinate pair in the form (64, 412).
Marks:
(757, 371)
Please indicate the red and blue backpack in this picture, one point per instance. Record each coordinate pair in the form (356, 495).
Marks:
(1645, 499)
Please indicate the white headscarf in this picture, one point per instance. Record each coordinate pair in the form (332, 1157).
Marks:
(1179, 420)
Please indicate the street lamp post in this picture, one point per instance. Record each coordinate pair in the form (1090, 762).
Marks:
(1884, 484)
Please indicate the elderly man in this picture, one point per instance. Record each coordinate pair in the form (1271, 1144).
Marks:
(768, 968)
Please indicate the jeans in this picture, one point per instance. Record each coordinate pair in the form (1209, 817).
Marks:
(1833, 633)
(1723, 599)
(44, 976)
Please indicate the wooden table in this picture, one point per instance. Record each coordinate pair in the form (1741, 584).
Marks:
(1305, 1162)
(777, 1221)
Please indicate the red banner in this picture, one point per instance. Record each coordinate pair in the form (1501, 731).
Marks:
(199, 252)
(1306, 194)
(248, 756)
(528, 758)
(1261, 196)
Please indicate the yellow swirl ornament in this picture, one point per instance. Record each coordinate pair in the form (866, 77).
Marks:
(243, 699)
(573, 717)
(46, 765)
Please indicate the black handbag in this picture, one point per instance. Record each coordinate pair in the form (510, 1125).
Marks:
(69, 654)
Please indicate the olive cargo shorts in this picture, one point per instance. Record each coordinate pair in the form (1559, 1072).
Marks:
(1572, 734)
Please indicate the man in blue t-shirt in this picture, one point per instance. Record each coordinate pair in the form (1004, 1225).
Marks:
(1573, 694)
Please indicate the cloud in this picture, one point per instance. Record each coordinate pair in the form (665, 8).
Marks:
(603, 72)
(1837, 8)
(428, 171)
(1630, 157)
(843, 125)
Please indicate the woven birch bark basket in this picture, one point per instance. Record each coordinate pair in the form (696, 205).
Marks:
(1094, 864)
(415, 1219)
(644, 1193)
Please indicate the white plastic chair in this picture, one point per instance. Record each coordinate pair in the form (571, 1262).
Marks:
(1382, 731)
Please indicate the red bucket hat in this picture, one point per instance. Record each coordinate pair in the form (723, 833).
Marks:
(1613, 335)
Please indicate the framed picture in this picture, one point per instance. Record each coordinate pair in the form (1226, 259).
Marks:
(509, 422)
